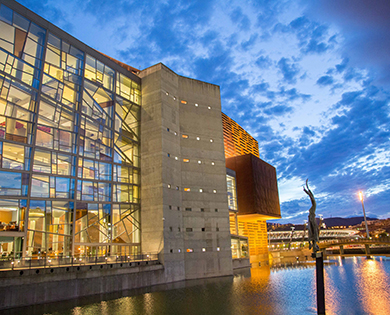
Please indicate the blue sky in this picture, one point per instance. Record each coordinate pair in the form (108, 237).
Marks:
(310, 80)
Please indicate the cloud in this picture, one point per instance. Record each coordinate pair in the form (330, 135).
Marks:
(325, 80)
(365, 26)
(289, 70)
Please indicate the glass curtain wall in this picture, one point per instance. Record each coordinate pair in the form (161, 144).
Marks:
(69, 137)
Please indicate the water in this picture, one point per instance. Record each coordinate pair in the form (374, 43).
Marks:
(352, 286)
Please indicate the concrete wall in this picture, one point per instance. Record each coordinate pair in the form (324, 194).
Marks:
(58, 284)
(190, 229)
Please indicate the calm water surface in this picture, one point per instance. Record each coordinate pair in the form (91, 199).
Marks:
(353, 286)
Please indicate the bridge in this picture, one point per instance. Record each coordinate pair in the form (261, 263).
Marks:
(357, 247)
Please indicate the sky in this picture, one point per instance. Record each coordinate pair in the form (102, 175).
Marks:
(310, 80)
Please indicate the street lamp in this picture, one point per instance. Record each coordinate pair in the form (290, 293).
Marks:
(364, 213)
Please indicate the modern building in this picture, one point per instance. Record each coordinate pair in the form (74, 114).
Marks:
(98, 158)
(257, 198)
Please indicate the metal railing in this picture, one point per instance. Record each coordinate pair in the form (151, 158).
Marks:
(56, 262)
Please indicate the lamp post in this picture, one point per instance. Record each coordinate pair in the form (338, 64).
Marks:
(364, 213)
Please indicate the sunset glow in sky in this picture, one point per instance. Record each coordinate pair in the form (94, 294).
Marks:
(310, 80)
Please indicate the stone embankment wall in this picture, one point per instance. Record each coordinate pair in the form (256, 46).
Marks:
(37, 286)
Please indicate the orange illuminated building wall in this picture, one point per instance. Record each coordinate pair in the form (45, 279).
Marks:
(237, 141)
(257, 189)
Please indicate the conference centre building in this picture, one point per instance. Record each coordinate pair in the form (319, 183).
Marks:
(99, 159)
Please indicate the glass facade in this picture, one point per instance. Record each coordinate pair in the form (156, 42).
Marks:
(69, 138)
(232, 192)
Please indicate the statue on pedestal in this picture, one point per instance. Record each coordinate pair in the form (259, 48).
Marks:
(312, 224)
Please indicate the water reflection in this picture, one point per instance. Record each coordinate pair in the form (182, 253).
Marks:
(352, 286)
(373, 282)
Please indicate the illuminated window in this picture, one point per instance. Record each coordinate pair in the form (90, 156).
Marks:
(196, 105)
(200, 190)
(179, 250)
(188, 229)
(175, 133)
(168, 154)
(211, 140)
(184, 102)
(177, 187)
(168, 129)
(203, 249)
(189, 250)
(186, 160)
(218, 249)
(169, 185)
(197, 138)
(176, 158)
(184, 136)
(199, 162)
(212, 163)
(209, 107)
(166, 93)
(214, 191)
(187, 189)
(174, 98)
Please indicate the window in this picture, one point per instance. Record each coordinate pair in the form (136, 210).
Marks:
(179, 229)
(188, 229)
(166, 93)
(217, 229)
(208, 107)
(211, 140)
(179, 250)
(218, 249)
(168, 154)
(186, 160)
(169, 186)
(184, 136)
(214, 191)
(170, 229)
(168, 129)
(178, 208)
(171, 250)
(187, 189)
(184, 102)
(189, 250)
(175, 133)
(170, 207)
(176, 158)
(216, 210)
(203, 249)
(177, 187)
(203, 229)
(174, 98)
(201, 209)
(197, 138)
(188, 209)
(196, 105)
(212, 163)
(200, 189)
(199, 162)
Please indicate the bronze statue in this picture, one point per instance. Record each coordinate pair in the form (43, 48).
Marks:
(312, 224)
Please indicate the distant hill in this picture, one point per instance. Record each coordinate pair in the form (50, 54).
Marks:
(329, 222)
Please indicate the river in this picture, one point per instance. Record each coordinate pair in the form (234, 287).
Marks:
(352, 286)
